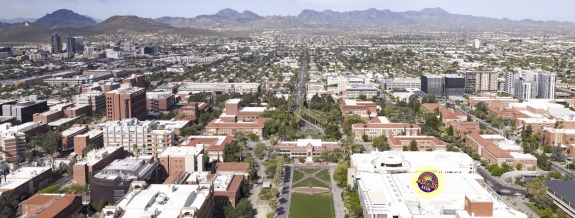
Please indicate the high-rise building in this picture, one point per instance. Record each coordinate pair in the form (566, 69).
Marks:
(75, 44)
(443, 85)
(476, 44)
(528, 84)
(126, 102)
(56, 43)
(481, 81)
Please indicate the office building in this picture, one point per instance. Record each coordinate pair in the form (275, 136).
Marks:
(78, 111)
(26, 180)
(95, 161)
(93, 137)
(12, 142)
(356, 90)
(528, 84)
(307, 148)
(174, 160)
(481, 81)
(149, 137)
(159, 101)
(111, 183)
(219, 88)
(345, 81)
(402, 83)
(96, 99)
(135, 81)
(52, 205)
(24, 110)
(56, 43)
(69, 134)
(126, 102)
(165, 200)
(443, 85)
(235, 112)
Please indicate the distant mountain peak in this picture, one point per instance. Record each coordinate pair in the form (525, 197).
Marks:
(64, 18)
(228, 13)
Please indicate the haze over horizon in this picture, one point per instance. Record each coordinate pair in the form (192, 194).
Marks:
(557, 10)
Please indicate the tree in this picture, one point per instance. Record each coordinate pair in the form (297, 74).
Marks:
(8, 203)
(557, 154)
(450, 130)
(260, 150)
(413, 145)
(270, 215)
(273, 204)
(519, 166)
(365, 138)
(548, 213)
(340, 173)
(332, 131)
(232, 151)
(405, 148)
(482, 106)
(253, 137)
(243, 209)
(380, 143)
(538, 191)
(52, 140)
(349, 121)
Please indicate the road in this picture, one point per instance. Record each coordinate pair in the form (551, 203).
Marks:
(557, 167)
(489, 126)
(285, 196)
(564, 90)
(499, 187)
(300, 85)
(309, 126)
(338, 206)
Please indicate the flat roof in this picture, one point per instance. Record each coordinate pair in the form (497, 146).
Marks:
(182, 151)
(412, 161)
(233, 101)
(564, 188)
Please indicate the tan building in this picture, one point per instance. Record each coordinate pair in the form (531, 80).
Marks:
(188, 111)
(220, 127)
(424, 143)
(462, 128)
(149, 137)
(128, 102)
(234, 112)
(386, 128)
(493, 101)
(96, 99)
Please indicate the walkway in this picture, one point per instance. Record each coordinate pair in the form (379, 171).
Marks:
(285, 193)
(311, 175)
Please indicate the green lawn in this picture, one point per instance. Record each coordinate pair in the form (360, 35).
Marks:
(533, 208)
(309, 170)
(313, 136)
(297, 175)
(324, 174)
(314, 183)
(311, 206)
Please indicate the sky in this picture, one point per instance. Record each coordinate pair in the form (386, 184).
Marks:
(558, 10)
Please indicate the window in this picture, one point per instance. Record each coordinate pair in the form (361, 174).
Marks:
(118, 193)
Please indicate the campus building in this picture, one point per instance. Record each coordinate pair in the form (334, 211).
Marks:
(52, 205)
(159, 101)
(424, 143)
(128, 102)
(498, 150)
(307, 148)
(174, 160)
(213, 145)
(95, 161)
(383, 126)
(364, 109)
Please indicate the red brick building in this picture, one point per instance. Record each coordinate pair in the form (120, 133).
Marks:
(306, 147)
(213, 145)
(174, 160)
(69, 134)
(26, 180)
(462, 128)
(125, 103)
(495, 155)
(188, 111)
(77, 111)
(95, 161)
(424, 143)
(135, 81)
(373, 130)
(82, 141)
(364, 109)
(159, 101)
(52, 205)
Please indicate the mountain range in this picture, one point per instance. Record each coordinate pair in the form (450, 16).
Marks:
(67, 22)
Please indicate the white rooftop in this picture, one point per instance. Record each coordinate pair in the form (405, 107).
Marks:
(163, 201)
(182, 151)
(394, 194)
(252, 109)
(219, 142)
(408, 161)
(222, 181)
(233, 101)
(72, 130)
(94, 156)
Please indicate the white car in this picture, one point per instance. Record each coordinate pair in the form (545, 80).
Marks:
(517, 194)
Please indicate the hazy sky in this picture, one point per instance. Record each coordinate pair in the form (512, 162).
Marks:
(559, 10)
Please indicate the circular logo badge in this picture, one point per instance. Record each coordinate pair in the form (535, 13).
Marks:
(428, 182)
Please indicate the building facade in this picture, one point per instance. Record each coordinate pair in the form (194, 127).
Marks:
(125, 103)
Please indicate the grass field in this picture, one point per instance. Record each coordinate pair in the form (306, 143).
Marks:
(533, 208)
(314, 183)
(311, 206)
(309, 170)
(297, 175)
(324, 174)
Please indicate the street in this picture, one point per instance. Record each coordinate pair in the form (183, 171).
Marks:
(285, 193)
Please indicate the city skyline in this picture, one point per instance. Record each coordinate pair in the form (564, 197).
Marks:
(556, 10)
